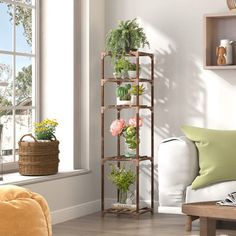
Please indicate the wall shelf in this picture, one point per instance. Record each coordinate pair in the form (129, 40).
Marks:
(217, 27)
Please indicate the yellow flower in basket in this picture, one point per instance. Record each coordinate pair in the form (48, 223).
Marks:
(45, 129)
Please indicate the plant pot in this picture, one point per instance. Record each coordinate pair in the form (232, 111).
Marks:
(129, 152)
(122, 102)
(122, 196)
(231, 5)
(132, 74)
(117, 75)
(134, 100)
(38, 157)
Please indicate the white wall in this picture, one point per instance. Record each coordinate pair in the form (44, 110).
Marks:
(184, 93)
(62, 65)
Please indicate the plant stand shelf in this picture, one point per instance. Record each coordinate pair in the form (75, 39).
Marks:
(127, 211)
(137, 209)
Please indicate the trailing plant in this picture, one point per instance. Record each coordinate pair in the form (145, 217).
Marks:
(121, 177)
(134, 89)
(123, 92)
(127, 36)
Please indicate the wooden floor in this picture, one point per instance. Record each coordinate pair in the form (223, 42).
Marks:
(147, 225)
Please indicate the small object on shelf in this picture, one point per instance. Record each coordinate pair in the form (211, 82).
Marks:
(130, 152)
(38, 157)
(220, 52)
(129, 132)
(231, 5)
(123, 179)
(123, 206)
(134, 91)
(123, 94)
(132, 70)
(225, 52)
(127, 36)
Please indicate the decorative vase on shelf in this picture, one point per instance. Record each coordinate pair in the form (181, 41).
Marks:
(225, 52)
(231, 5)
(129, 152)
(122, 196)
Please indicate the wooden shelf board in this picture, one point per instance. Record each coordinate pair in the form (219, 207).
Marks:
(120, 80)
(221, 15)
(131, 53)
(229, 67)
(119, 107)
(123, 158)
(128, 211)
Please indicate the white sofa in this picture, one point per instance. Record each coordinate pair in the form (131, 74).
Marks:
(177, 168)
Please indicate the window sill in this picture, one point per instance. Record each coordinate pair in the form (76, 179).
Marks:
(20, 180)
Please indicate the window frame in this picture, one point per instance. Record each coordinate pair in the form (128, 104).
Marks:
(35, 55)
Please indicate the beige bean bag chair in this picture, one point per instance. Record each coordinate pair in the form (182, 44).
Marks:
(23, 213)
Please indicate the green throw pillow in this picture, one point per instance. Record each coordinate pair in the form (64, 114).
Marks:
(217, 155)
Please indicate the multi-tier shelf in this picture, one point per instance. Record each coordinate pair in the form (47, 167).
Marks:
(119, 157)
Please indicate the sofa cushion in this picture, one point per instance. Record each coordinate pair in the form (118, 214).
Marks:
(177, 168)
(217, 155)
(213, 192)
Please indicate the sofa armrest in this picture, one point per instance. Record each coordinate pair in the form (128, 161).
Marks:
(177, 168)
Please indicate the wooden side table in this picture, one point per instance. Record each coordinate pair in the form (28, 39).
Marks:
(209, 213)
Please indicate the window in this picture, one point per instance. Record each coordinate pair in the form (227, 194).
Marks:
(18, 68)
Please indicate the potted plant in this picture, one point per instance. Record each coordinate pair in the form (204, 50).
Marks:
(39, 155)
(129, 132)
(45, 130)
(127, 36)
(123, 94)
(123, 179)
(121, 67)
(134, 92)
(132, 70)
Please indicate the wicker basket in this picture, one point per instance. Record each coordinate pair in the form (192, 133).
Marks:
(38, 158)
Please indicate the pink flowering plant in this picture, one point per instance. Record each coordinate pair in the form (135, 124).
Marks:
(128, 131)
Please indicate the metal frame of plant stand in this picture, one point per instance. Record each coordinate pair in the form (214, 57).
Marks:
(120, 158)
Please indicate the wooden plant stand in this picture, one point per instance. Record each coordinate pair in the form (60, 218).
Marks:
(118, 158)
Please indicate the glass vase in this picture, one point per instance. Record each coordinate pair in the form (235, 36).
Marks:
(122, 196)
(129, 152)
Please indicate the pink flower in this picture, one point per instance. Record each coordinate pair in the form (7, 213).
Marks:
(132, 121)
(117, 126)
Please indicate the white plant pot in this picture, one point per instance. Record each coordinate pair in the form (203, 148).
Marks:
(116, 75)
(134, 100)
(132, 73)
(122, 102)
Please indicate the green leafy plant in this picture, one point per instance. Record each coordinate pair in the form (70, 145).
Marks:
(45, 129)
(134, 89)
(127, 36)
(132, 66)
(121, 177)
(123, 92)
(121, 64)
(130, 136)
